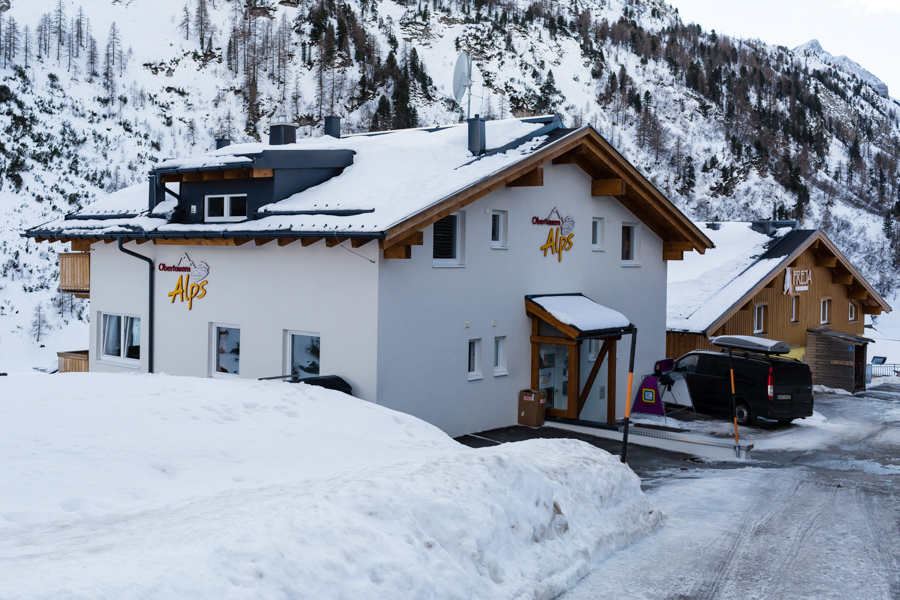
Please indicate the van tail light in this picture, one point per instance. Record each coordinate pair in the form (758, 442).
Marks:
(770, 388)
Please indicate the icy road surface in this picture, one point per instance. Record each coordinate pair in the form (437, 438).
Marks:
(812, 522)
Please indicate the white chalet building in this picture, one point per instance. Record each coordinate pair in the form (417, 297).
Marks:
(424, 267)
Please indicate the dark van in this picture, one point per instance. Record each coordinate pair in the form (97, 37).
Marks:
(765, 386)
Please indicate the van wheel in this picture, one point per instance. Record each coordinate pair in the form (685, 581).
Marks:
(742, 413)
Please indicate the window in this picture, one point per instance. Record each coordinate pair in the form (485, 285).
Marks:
(474, 359)
(500, 356)
(303, 351)
(598, 230)
(852, 311)
(687, 364)
(826, 311)
(759, 318)
(498, 229)
(795, 309)
(593, 349)
(226, 350)
(226, 208)
(630, 241)
(448, 241)
(121, 338)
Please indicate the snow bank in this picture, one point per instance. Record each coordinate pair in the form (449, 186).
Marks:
(159, 487)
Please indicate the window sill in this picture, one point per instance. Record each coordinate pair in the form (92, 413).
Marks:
(473, 377)
(501, 373)
(225, 220)
(630, 265)
(499, 247)
(448, 266)
(598, 249)
(120, 362)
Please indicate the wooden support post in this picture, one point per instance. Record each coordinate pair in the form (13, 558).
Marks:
(535, 355)
(611, 385)
(598, 362)
(572, 395)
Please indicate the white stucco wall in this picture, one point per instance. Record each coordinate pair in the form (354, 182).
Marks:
(423, 340)
(264, 290)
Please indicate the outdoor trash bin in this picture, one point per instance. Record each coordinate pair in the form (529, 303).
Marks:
(532, 404)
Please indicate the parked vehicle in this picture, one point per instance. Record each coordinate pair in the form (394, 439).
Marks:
(766, 386)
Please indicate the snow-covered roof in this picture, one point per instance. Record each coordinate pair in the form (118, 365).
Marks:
(581, 313)
(703, 288)
(393, 176)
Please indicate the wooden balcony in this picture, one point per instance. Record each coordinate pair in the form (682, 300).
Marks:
(73, 362)
(75, 273)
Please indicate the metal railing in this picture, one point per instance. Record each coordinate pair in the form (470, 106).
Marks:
(885, 370)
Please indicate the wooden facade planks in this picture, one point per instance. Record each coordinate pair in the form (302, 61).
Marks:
(75, 272)
(778, 324)
(73, 362)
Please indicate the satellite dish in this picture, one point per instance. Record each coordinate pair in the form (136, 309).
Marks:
(462, 77)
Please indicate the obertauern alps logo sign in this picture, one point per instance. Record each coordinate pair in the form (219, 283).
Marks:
(559, 238)
(185, 290)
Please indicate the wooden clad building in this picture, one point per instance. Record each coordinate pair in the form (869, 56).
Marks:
(773, 280)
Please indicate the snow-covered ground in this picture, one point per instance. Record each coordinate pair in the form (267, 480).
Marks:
(150, 486)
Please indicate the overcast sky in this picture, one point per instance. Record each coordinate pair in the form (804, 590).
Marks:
(864, 30)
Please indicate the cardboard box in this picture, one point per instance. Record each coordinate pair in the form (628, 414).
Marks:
(532, 407)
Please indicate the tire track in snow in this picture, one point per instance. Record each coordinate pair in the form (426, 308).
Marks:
(708, 589)
(886, 547)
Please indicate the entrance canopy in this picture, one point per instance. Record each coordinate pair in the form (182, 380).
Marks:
(577, 318)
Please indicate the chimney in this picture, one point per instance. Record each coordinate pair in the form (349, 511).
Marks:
(476, 136)
(333, 126)
(281, 130)
(221, 142)
(769, 228)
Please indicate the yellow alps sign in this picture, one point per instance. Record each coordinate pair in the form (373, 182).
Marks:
(184, 289)
(559, 238)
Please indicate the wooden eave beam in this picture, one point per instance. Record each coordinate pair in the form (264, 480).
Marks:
(309, 241)
(677, 246)
(286, 240)
(331, 242)
(262, 173)
(842, 278)
(672, 255)
(359, 242)
(192, 176)
(826, 261)
(170, 178)
(236, 174)
(857, 294)
(608, 187)
(534, 178)
(871, 310)
(570, 157)
(263, 241)
(213, 175)
(81, 245)
(242, 241)
(552, 339)
(398, 252)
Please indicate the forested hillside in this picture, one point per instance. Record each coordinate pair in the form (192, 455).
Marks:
(92, 95)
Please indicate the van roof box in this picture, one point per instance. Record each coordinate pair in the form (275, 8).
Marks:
(751, 344)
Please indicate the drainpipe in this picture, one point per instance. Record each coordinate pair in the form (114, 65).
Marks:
(150, 302)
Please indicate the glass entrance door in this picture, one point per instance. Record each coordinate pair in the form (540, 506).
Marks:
(553, 375)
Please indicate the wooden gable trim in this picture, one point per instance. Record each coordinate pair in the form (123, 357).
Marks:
(645, 201)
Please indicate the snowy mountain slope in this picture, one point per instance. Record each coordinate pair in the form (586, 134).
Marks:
(814, 48)
(728, 129)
